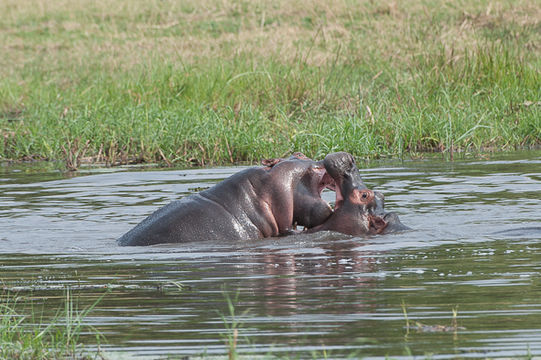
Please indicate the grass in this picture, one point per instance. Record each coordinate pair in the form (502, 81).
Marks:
(25, 337)
(232, 324)
(217, 82)
(420, 327)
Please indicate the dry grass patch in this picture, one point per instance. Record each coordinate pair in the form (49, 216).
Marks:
(126, 33)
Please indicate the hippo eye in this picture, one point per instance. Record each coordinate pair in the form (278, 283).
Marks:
(364, 195)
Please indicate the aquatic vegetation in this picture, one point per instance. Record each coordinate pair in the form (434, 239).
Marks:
(232, 323)
(421, 327)
(24, 336)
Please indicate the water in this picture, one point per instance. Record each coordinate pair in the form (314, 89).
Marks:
(476, 248)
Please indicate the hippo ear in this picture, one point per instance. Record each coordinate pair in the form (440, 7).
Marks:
(300, 156)
(270, 162)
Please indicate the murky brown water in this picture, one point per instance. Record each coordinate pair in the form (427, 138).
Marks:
(476, 247)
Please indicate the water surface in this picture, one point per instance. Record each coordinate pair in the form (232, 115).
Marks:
(475, 248)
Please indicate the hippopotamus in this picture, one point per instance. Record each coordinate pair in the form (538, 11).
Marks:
(257, 202)
(358, 210)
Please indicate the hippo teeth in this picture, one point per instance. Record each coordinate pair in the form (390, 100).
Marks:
(326, 182)
(339, 198)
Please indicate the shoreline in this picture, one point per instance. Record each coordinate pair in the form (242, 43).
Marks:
(88, 163)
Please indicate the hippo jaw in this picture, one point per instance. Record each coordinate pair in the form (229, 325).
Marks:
(310, 209)
(337, 172)
(358, 210)
(341, 167)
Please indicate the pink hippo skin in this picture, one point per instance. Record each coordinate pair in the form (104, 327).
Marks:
(254, 203)
(358, 210)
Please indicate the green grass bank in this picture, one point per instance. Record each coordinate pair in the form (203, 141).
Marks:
(26, 335)
(217, 82)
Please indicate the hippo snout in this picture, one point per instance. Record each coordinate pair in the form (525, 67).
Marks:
(393, 223)
(338, 164)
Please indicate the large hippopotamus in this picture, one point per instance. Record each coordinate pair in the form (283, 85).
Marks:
(254, 203)
(271, 201)
(357, 210)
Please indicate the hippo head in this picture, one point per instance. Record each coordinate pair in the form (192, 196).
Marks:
(358, 210)
(310, 178)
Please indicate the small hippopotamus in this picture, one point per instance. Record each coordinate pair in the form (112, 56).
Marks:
(358, 210)
(258, 202)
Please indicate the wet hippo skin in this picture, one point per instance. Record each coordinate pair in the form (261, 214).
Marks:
(358, 210)
(254, 203)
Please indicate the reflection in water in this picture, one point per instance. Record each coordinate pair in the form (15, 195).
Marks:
(476, 246)
(283, 291)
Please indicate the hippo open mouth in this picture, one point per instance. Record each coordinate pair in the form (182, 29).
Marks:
(339, 182)
(327, 182)
(357, 210)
